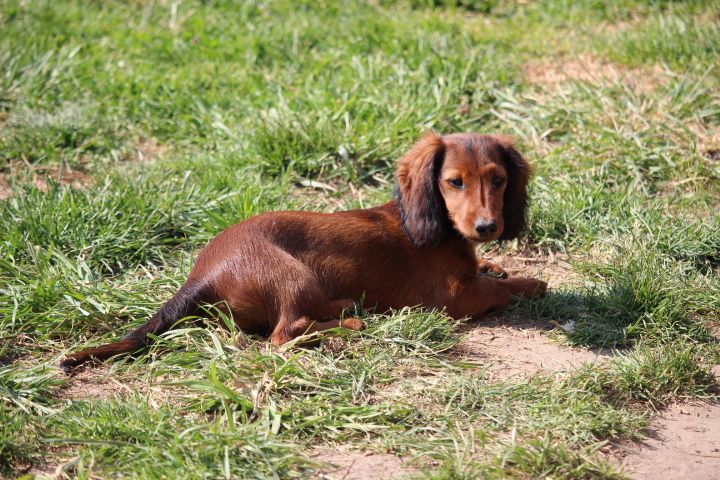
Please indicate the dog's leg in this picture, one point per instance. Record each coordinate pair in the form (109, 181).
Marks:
(293, 326)
(305, 326)
(478, 295)
(526, 287)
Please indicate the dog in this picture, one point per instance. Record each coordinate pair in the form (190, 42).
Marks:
(286, 274)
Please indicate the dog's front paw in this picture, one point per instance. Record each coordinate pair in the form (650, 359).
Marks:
(489, 268)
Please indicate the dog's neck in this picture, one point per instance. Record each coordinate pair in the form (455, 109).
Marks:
(451, 235)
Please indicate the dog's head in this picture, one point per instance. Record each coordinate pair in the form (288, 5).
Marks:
(476, 184)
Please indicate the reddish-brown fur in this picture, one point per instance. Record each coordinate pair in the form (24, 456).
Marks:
(285, 274)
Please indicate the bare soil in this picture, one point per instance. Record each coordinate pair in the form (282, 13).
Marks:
(554, 268)
(361, 466)
(93, 384)
(40, 176)
(593, 70)
(683, 443)
(521, 349)
(99, 383)
(707, 139)
(147, 150)
(5, 190)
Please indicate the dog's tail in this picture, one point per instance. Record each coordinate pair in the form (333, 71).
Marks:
(183, 304)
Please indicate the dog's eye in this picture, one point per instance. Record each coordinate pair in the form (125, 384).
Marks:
(457, 182)
(497, 181)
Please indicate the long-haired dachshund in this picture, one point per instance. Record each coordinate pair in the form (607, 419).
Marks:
(285, 274)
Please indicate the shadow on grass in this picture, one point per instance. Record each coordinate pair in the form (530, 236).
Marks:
(623, 307)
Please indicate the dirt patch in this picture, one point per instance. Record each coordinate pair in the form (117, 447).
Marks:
(64, 176)
(5, 189)
(93, 384)
(147, 150)
(360, 466)
(713, 154)
(684, 442)
(99, 383)
(41, 176)
(52, 471)
(521, 349)
(593, 70)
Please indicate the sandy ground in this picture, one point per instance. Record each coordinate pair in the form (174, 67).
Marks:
(683, 443)
(360, 466)
(521, 349)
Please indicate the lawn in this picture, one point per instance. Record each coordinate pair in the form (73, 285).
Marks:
(132, 132)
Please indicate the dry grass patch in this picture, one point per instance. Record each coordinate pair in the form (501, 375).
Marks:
(595, 71)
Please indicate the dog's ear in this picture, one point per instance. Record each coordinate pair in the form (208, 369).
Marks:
(422, 209)
(515, 200)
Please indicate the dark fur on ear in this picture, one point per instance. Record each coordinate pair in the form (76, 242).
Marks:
(515, 201)
(422, 209)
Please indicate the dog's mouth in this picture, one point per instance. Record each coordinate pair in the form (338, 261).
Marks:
(477, 238)
(482, 237)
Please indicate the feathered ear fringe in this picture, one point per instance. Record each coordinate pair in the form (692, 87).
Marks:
(422, 209)
(515, 201)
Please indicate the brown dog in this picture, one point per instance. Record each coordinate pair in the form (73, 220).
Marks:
(290, 273)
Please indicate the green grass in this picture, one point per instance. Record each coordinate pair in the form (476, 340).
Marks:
(246, 102)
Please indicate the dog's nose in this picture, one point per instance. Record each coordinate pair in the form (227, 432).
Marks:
(485, 227)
